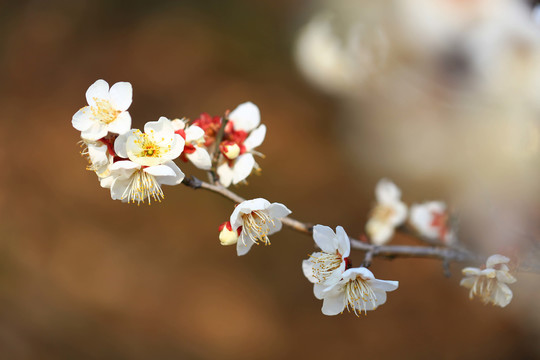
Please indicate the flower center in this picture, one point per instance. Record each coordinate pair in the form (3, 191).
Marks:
(324, 264)
(483, 288)
(149, 148)
(359, 296)
(142, 186)
(257, 226)
(104, 111)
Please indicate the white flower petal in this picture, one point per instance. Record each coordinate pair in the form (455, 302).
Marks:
(121, 95)
(225, 174)
(380, 299)
(505, 277)
(307, 268)
(319, 290)
(120, 144)
(201, 159)
(387, 192)
(194, 133)
(502, 295)
(343, 242)
(177, 146)
(172, 180)
(82, 119)
(119, 187)
(335, 304)
(400, 214)
(160, 170)
(95, 132)
(275, 227)
(243, 166)
(496, 259)
(379, 232)
(325, 238)
(106, 182)
(245, 117)
(468, 282)
(256, 138)
(243, 245)
(161, 128)
(278, 211)
(97, 91)
(121, 124)
(384, 285)
(362, 272)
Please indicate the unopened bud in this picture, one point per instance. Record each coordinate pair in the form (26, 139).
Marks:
(231, 150)
(227, 236)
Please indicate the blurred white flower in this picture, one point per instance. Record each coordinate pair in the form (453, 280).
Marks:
(242, 135)
(490, 284)
(150, 162)
(430, 219)
(358, 290)
(194, 149)
(257, 219)
(387, 214)
(106, 111)
(338, 64)
(328, 265)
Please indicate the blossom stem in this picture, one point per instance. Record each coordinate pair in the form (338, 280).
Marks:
(440, 251)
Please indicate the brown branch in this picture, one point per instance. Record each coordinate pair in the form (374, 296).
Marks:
(438, 251)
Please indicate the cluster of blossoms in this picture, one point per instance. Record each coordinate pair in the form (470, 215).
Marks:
(430, 219)
(336, 282)
(134, 164)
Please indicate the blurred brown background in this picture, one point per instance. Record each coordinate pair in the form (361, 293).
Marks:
(85, 277)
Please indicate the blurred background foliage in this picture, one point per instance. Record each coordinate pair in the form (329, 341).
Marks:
(82, 276)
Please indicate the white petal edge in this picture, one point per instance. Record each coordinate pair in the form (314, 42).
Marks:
(245, 117)
(121, 95)
(98, 90)
(256, 138)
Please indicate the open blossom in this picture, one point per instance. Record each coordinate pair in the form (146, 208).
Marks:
(256, 219)
(329, 264)
(106, 111)
(389, 212)
(194, 150)
(150, 162)
(242, 135)
(430, 219)
(490, 284)
(358, 291)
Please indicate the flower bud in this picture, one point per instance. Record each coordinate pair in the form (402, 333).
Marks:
(230, 149)
(227, 236)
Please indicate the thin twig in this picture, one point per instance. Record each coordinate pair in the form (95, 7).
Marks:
(380, 251)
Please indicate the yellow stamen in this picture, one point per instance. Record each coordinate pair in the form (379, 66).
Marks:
(257, 226)
(143, 186)
(359, 296)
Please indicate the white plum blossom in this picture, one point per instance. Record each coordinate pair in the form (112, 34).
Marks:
(358, 291)
(328, 265)
(99, 157)
(490, 284)
(241, 138)
(256, 219)
(194, 149)
(389, 212)
(106, 111)
(430, 219)
(150, 162)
